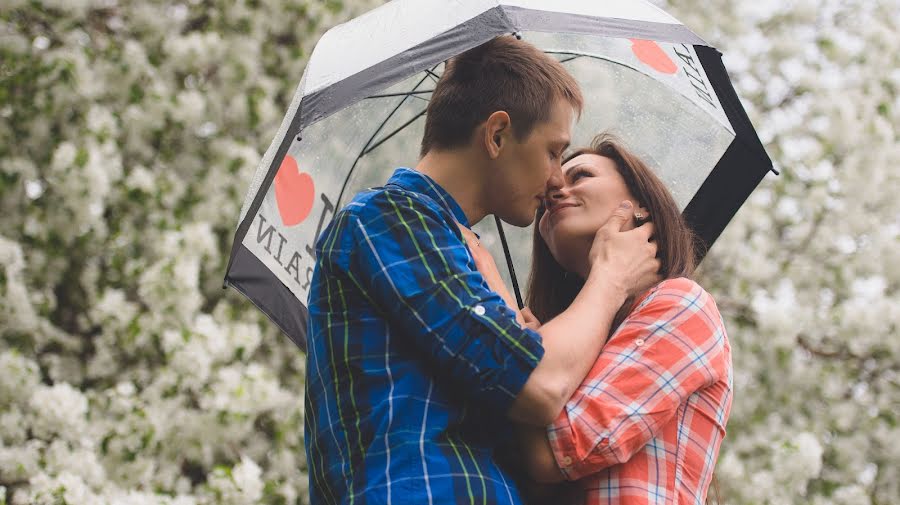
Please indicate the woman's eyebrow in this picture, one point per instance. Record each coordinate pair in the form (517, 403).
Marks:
(568, 170)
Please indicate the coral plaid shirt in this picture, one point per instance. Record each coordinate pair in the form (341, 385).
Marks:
(646, 423)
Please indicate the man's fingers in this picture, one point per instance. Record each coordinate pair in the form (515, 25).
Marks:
(647, 229)
(621, 216)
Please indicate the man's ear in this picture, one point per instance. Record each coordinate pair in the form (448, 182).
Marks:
(497, 131)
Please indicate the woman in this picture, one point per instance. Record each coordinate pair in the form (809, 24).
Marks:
(646, 424)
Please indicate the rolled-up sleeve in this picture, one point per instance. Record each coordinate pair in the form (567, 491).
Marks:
(672, 345)
(409, 259)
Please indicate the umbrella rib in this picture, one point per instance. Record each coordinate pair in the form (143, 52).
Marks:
(580, 55)
(377, 131)
(407, 94)
(398, 130)
(509, 262)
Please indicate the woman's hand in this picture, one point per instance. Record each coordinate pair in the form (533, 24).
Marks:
(528, 319)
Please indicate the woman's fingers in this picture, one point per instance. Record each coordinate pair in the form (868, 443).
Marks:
(530, 321)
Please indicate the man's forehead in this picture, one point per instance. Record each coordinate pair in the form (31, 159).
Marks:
(553, 134)
(562, 116)
(558, 128)
(559, 139)
(559, 134)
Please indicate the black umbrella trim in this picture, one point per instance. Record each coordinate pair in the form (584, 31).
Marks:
(740, 169)
(250, 277)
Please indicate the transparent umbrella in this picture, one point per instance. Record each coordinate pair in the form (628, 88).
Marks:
(359, 110)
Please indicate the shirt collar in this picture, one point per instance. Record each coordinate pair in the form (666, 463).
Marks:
(418, 182)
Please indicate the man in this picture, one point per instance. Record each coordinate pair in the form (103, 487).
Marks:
(415, 367)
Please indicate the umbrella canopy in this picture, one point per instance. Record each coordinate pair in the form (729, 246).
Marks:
(358, 113)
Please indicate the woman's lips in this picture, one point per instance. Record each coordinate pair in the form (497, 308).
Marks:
(559, 206)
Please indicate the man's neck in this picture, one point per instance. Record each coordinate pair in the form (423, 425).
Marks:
(460, 174)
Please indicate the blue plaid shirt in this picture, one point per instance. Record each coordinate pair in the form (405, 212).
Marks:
(413, 361)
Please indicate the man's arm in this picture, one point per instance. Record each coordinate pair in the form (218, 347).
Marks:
(412, 265)
(621, 263)
(405, 256)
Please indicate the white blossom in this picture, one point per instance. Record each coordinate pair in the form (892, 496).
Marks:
(59, 410)
(51, 490)
(19, 379)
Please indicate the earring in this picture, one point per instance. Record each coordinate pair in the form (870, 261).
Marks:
(639, 216)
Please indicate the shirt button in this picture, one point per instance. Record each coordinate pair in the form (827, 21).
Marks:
(567, 461)
(479, 310)
(639, 342)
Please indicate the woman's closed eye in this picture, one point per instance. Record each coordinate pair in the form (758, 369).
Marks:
(577, 173)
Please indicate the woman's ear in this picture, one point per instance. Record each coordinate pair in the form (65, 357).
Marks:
(641, 214)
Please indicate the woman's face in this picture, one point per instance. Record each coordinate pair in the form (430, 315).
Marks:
(592, 191)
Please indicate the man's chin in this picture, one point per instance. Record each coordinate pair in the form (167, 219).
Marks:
(523, 221)
(519, 219)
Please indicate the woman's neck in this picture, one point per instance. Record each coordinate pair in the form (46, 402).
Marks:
(577, 259)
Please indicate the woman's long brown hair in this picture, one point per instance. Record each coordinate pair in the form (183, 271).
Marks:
(551, 289)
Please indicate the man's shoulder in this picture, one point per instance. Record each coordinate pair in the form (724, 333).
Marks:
(390, 202)
(375, 211)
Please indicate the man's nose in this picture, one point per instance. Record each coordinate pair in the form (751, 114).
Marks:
(555, 194)
(556, 181)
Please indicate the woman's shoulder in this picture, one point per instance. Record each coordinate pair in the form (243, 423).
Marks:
(676, 286)
(682, 292)
(687, 312)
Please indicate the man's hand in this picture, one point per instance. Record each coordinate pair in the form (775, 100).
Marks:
(626, 257)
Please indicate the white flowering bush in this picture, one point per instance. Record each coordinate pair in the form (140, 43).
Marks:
(808, 273)
(130, 131)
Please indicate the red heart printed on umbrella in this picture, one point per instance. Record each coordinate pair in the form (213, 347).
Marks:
(294, 192)
(653, 56)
